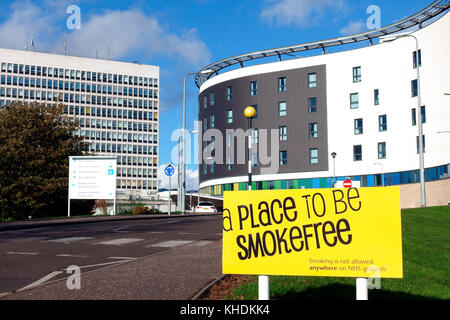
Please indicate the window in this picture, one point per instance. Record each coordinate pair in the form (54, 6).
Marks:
(414, 88)
(382, 123)
(283, 133)
(382, 150)
(230, 116)
(211, 99)
(283, 158)
(229, 93)
(359, 126)
(312, 105)
(312, 80)
(282, 84)
(417, 59)
(212, 121)
(354, 101)
(313, 130)
(229, 163)
(282, 109)
(254, 160)
(414, 115)
(423, 142)
(253, 88)
(313, 156)
(357, 153)
(357, 74)
(255, 136)
(376, 97)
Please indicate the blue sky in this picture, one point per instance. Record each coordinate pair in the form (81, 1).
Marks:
(184, 36)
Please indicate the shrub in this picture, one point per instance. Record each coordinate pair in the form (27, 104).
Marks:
(140, 210)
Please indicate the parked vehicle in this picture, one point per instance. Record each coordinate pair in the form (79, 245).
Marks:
(205, 206)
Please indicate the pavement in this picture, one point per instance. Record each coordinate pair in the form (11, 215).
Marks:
(178, 273)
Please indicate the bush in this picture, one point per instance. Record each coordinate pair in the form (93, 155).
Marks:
(102, 205)
(141, 210)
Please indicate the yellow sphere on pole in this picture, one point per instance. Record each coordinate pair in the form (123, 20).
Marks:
(250, 112)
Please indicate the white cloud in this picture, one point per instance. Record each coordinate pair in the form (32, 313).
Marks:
(125, 32)
(191, 179)
(353, 27)
(128, 33)
(300, 13)
(26, 20)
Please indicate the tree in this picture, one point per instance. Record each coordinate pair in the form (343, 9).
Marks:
(35, 144)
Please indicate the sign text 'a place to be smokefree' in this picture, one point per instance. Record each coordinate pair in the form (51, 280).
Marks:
(320, 232)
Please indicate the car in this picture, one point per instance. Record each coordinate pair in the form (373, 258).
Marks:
(205, 206)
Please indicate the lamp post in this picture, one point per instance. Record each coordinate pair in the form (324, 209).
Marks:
(333, 155)
(423, 201)
(182, 166)
(263, 280)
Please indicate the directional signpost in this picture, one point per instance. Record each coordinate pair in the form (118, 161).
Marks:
(169, 170)
(92, 177)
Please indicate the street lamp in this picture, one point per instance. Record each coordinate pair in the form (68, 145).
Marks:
(333, 155)
(423, 201)
(263, 280)
(182, 167)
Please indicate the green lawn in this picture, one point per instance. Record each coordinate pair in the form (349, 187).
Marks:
(426, 267)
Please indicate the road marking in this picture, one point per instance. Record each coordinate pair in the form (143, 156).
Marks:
(201, 243)
(40, 281)
(23, 253)
(101, 264)
(122, 258)
(155, 232)
(120, 229)
(188, 233)
(170, 243)
(118, 242)
(71, 255)
(69, 239)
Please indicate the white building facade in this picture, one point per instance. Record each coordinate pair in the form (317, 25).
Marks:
(370, 95)
(116, 104)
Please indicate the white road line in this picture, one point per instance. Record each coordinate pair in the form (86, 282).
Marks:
(118, 242)
(23, 253)
(155, 232)
(201, 243)
(40, 281)
(68, 240)
(120, 229)
(170, 243)
(122, 258)
(101, 264)
(188, 233)
(71, 255)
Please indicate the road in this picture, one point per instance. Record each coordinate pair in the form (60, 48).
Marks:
(34, 256)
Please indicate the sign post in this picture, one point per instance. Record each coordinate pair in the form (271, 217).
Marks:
(314, 232)
(92, 177)
(169, 171)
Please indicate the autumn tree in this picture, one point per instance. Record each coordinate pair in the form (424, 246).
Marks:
(35, 144)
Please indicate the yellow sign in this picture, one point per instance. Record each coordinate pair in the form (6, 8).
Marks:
(316, 232)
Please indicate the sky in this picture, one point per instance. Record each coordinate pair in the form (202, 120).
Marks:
(183, 36)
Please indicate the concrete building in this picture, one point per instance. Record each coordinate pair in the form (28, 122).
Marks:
(115, 102)
(360, 104)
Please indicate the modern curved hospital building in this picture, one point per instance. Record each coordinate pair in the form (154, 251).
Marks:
(345, 108)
